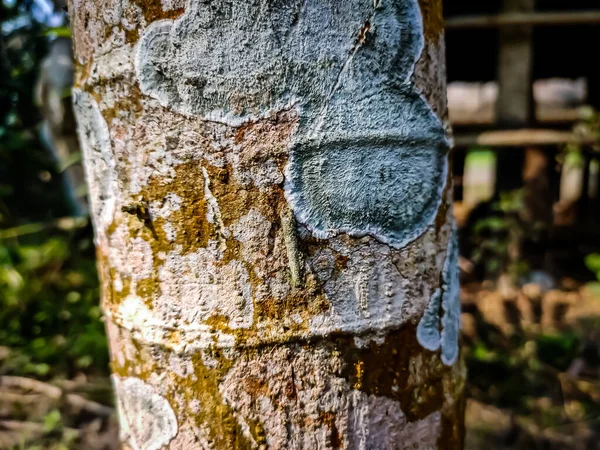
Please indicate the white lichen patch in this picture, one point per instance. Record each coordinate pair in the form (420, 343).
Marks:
(194, 289)
(168, 5)
(146, 417)
(134, 315)
(141, 259)
(252, 231)
(370, 293)
(366, 340)
(101, 175)
(168, 205)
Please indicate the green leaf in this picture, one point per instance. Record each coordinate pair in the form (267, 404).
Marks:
(52, 420)
(592, 262)
(58, 32)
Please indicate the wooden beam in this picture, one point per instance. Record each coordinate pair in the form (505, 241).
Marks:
(521, 138)
(591, 17)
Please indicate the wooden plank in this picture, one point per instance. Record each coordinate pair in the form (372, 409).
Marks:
(521, 138)
(533, 19)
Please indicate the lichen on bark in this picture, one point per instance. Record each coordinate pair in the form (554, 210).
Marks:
(272, 219)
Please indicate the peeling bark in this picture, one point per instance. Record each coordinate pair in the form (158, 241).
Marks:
(271, 202)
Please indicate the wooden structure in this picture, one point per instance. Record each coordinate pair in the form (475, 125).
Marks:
(517, 33)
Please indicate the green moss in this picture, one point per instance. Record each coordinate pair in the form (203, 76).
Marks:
(213, 412)
(139, 364)
(146, 289)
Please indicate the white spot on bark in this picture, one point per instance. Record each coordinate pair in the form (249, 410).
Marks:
(170, 232)
(171, 203)
(364, 341)
(141, 259)
(168, 5)
(112, 11)
(146, 417)
(118, 283)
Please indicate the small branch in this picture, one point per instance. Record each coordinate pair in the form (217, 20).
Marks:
(55, 393)
(64, 223)
(29, 427)
(295, 257)
(28, 384)
(22, 399)
(82, 403)
(524, 19)
(521, 138)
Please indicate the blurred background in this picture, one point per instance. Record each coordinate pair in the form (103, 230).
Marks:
(524, 96)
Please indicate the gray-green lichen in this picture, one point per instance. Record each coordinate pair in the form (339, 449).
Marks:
(428, 331)
(451, 304)
(369, 156)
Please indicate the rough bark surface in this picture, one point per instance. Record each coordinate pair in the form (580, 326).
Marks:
(270, 192)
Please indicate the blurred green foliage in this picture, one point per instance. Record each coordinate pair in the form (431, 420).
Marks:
(50, 321)
(30, 185)
(49, 313)
(592, 262)
(496, 237)
(526, 374)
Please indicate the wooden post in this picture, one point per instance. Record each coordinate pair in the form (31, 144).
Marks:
(514, 106)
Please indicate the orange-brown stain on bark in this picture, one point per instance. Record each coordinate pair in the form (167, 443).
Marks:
(433, 20)
(400, 369)
(153, 10)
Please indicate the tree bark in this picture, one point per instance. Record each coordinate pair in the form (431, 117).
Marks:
(270, 191)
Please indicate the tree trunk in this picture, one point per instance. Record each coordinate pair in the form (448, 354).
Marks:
(270, 192)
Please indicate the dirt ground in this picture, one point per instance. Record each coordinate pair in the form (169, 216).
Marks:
(534, 367)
